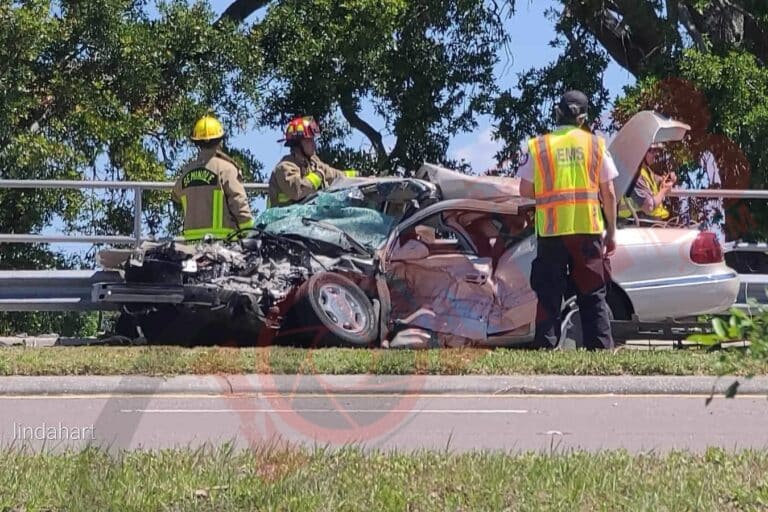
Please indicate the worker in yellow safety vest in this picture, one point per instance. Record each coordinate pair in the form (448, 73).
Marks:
(651, 187)
(301, 173)
(569, 172)
(210, 188)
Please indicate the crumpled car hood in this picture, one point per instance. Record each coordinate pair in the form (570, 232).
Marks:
(455, 185)
(338, 208)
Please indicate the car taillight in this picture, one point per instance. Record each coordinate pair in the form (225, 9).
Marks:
(706, 249)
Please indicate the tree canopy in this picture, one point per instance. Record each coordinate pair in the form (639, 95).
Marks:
(425, 68)
(103, 90)
(700, 61)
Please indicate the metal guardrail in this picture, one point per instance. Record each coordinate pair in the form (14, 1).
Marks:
(138, 188)
(719, 193)
(53, 290)
(72, 290)
(745, 247)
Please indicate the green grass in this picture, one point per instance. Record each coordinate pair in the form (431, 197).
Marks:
(176, 360)
(280, 478)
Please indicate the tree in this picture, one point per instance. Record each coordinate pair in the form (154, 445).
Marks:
(648, 37)
(426, 68)
(580, 66)
(103, 90)
(718, 48)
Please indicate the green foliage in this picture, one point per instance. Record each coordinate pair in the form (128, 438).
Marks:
(724, 98)
(750, 326)
(736, 88)
(99, 90)
(426, 67)
(63, 324)
(531, 112)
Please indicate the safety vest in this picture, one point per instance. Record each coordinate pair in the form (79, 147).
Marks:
(567, 166)
(660, 212)
(217, 230)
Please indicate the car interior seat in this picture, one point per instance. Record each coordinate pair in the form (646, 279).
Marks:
(512, 230)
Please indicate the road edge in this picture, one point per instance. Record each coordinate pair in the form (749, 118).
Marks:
(378, 384)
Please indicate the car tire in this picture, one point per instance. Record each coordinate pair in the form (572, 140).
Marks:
(243, 321)
(330, 309)
(618, 306)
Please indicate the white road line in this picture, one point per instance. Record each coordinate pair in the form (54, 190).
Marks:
(235, 410)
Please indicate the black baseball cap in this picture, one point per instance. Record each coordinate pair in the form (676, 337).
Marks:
(575, 98)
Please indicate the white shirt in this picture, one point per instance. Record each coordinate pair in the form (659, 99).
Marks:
(608, 170)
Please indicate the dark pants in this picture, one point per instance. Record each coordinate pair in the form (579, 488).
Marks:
(572, 263)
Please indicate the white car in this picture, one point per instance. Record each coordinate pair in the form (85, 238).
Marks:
(659, 273)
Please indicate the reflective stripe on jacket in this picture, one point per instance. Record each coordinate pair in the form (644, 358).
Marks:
(213, 199)
(295, 178)
(659, 212)
(567, 166)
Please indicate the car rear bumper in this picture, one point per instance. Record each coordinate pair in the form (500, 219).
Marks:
(680, 297)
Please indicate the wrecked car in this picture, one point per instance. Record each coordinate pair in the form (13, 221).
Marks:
(376, 261)
(304, 273)
(439, 260)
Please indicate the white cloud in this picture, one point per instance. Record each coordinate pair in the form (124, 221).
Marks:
(480, 152)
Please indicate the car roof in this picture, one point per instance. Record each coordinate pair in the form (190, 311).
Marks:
(453, 185)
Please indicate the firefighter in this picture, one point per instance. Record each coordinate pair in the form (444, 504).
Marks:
(301, 173)
(568, 172)
(650, 189)
(210, 188)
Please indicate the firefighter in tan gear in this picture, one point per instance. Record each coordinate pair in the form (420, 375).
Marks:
(210, 188)
(301, 173)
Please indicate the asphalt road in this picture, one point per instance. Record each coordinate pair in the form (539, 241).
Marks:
(459, 423)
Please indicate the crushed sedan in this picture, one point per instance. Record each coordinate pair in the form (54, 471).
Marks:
(439, 260)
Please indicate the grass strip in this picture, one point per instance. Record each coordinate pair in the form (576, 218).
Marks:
(282, 360)
(348, 479)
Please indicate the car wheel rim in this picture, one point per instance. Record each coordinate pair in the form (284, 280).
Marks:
(341, 308)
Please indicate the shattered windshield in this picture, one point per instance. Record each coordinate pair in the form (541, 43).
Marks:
(344, 209)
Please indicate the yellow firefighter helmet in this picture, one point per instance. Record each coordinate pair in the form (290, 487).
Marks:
(207, 128)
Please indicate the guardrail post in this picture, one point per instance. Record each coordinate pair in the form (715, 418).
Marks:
(137, 215)
(138, 188)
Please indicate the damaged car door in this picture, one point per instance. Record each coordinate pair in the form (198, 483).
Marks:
(438, 277)
(509, 240)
